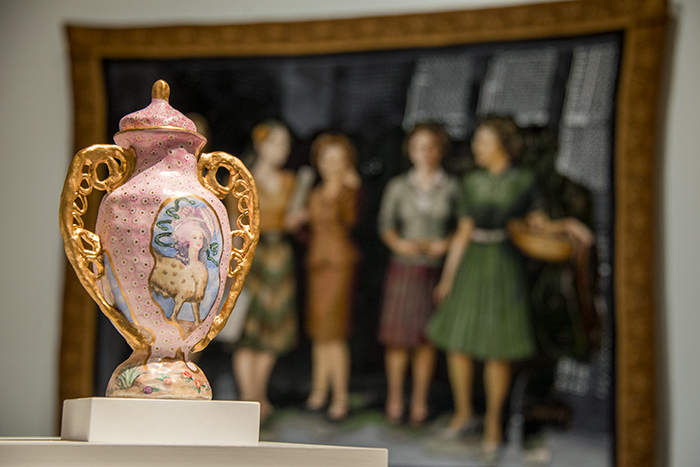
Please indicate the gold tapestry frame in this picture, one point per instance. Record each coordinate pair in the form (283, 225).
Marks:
(643, 24)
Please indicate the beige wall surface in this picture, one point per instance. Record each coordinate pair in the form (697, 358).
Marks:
(35, 131)
(679, 273)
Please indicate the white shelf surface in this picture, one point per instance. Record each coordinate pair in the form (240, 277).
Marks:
(145, 432)
(55, 452)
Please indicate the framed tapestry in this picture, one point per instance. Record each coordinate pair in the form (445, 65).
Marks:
(591, 75)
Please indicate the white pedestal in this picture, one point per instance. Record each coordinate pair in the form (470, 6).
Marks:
(161, 422)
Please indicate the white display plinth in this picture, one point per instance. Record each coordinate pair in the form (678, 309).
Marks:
(161, 422)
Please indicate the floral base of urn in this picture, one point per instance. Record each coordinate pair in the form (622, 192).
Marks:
(165, 379)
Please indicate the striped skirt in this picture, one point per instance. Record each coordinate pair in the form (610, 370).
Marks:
(407, 304)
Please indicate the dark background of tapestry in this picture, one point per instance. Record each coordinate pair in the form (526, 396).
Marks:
(364, 95)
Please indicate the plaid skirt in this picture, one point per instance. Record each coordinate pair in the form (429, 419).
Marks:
(407, 303)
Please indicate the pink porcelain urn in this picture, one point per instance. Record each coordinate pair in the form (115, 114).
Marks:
(163, 248)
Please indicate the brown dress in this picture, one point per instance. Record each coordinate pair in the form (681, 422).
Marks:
(271, 323)
(331, 264)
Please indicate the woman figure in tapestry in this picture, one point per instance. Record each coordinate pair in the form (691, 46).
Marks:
(270, 327)
(415, 218)
(484, 311)
(331, 259)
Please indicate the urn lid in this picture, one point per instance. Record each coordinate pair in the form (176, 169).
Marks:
(158, 114)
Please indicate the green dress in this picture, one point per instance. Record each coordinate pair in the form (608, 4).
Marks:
(487, 313)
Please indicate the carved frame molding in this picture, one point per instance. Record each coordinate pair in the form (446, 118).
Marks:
(643, 23)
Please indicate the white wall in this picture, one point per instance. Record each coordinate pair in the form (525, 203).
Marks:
(681, 220)
(35, 132)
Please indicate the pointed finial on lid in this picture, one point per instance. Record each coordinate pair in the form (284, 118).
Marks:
(158, 114)
(160, 90)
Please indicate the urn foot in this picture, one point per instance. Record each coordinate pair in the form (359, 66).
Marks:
(158, 379)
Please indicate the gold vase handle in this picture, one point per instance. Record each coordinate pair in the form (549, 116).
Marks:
(242, 187)
(84, 247)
